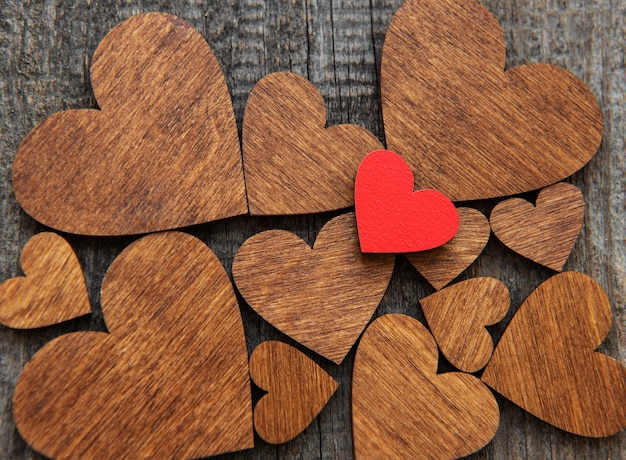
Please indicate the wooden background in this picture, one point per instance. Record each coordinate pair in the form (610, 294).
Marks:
(45, 52)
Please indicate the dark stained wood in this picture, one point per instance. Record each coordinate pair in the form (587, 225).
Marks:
(322, 297)
(546, 232)
(401, 407)
(546, 363)
(53, 288)
(292, 162)
(467, 127)
(164, 383)
(46, 49)
(163, 151)
(441, 265)
(297, 390)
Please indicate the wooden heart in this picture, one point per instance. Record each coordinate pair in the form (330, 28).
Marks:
(53, 289)
(323, 296)
(544, 233)
(169, 380)
(163, 152)
(441, 265)
(391, 217)
(401, 407)
(467, 127)
(457, 316)
(545, 361)
(297, 390)
(292, 163)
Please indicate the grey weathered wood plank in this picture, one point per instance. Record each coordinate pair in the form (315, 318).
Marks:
(45, 51)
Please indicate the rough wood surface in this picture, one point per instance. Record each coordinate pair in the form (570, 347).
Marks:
(401, 407)
(546, 363)
(46, 49)
(546, 232)
(297, 390)
(163, 152)
(52, 289)
(457, 316)
(169, 380)
(322, 297)
(467, 127)
(292, 162)
(441, 265)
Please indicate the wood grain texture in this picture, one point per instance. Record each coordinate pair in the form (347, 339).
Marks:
(544, 233)
(468, 128)
(457, 316)
(164, 383)
(163, 151)
(293, 164)
(546, 363)
(390, 216)
(322, 297)
(297, 390)
(441, 265)
(403, 409)
(46, 50)
(53, 288)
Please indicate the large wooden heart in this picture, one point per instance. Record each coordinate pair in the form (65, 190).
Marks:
(323, 296)
(163, 152)
(170, 380)
(545, 361)
(403, 409)
(467, 127)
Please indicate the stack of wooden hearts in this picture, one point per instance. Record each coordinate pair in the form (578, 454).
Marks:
(171, 378)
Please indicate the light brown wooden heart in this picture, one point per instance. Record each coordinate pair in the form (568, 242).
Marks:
(53, 289)
(293, 163)
(171, 378)
(544, 233)
(441, 265)
(401, 407)
(457, 316)
(323, 296)
(545, 361)
(297, 390)
(163, 152)
(467, 127)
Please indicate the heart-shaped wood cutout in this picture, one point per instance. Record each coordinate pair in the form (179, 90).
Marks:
(545, 361)
(323, 296)
(53, 289)
(441, 265)
(544, 233)
(163, 152)
(297, 390)
(391, 217)
(292, 163)
(171, 378)
(457, 316)
(467, 127)
(401, 407)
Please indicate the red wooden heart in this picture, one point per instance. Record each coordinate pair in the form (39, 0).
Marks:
(391, 217)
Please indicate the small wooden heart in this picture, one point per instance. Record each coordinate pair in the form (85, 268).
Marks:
(292, 163)
(544, 233)
(457, 316)
(545, 361)
(467, 127)
(171, 378)
(403, 409)
(53, 289)
(323, 296)
(391, 217)
(297, 390)
(163, 152)
(441, 265)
